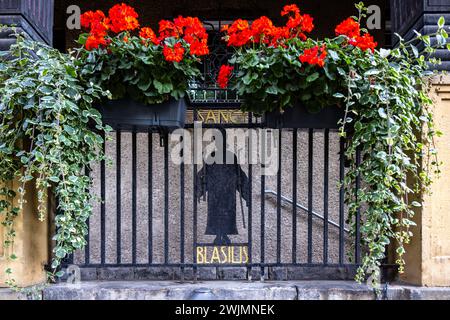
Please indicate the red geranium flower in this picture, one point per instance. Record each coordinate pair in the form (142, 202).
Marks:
(148, 33)
(100, 28)
(261, 28)
(307, 23)
(364, 42)
(239, 33)
(90, 17)
(199, 48)
(174, 54)
(290, 8)
(238, 25)
(349, 27)
(123, 18)
(168, 29)
(93, 42)
(297, 23)
(224, 76)
(314, 56)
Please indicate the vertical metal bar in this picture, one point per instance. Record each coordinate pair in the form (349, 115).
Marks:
(294, 196)
(250, 222)
(250, 190)
(103, 207)
(358, 211)
(119, 195)
(166, 197)
(150, 196)
(87, 254)
(263, 201)
(279, 200)
(134, 198)
(341, 201)
(195, 208)
(310, 192)
(182, 233)
(326, 158)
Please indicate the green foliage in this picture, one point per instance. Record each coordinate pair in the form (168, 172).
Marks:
(49, 135)
(136, 69)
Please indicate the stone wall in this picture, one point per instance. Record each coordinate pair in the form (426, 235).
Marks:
(428, 255)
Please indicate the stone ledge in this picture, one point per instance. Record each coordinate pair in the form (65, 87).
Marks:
(236, 290)
(8, 294)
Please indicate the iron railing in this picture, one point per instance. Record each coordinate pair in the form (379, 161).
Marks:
(150, 221)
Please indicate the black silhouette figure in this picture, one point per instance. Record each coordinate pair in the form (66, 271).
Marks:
(219, 182)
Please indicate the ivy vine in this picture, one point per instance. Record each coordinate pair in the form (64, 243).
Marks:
(49, 135)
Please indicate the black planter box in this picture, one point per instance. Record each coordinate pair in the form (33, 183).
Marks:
(127, 114)
(299, 117)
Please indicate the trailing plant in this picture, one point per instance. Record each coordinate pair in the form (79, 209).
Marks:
(147, 67)
(388, 122)
(49, 135)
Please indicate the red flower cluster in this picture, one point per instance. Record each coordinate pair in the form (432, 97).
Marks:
(224, 76)
(191, 30)
(297, 24)
(124, 18)
(148, 33)
(174, 54)
(121, 18)
(351, 28)
(314, 56)
(262, 30)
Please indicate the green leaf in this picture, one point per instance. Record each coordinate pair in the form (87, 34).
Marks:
(441, 22)
(54, 179)
(333, 55)
(70, 130)
(272, 90)
(312, 77)
(415, 51)
(382, 113)
(372, 72)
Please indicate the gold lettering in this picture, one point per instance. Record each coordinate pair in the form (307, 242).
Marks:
(201, 255)
(215, 255)
(223, 250)
(234, 256)
(244, 249)
(224, 116)
(200, 116)
(222, 255)
(211, 116)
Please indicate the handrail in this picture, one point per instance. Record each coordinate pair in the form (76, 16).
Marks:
(268, 191)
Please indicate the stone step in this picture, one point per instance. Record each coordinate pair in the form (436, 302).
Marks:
(235, 290)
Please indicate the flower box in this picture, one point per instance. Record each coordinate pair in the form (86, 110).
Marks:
(299, 117)
(128, 114)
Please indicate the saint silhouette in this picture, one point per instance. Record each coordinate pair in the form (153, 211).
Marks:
(218, 183)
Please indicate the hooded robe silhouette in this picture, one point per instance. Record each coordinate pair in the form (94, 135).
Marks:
(219, 183)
